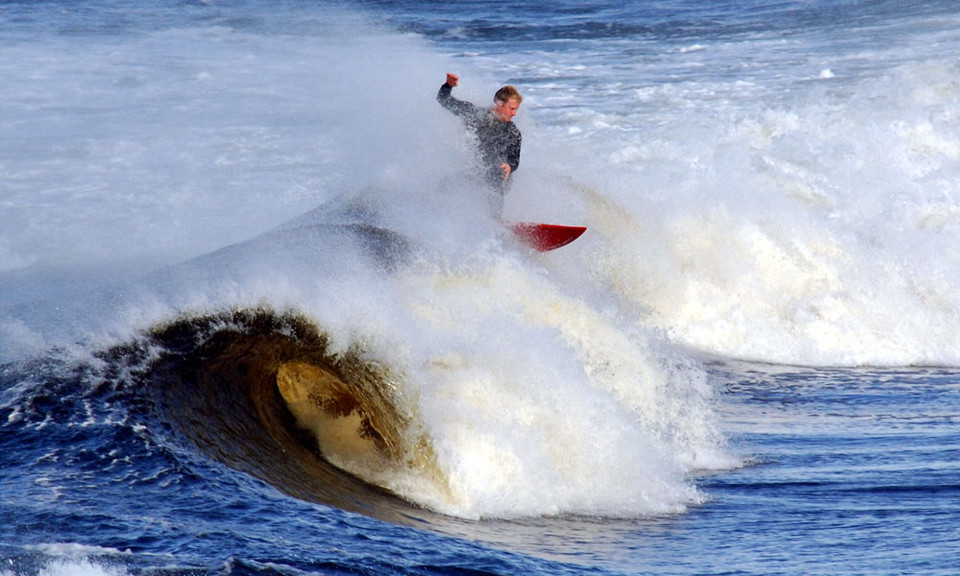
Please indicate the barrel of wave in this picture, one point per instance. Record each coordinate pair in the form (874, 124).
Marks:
(351, 413)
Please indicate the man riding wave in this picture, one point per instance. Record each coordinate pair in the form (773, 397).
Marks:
(498, 138)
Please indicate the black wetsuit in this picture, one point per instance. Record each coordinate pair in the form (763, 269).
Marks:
(497, 141)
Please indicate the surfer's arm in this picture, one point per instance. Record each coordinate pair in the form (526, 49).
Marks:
(458, 107)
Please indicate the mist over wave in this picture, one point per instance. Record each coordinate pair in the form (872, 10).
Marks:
(820, 232)
(787, 198)
(797, 207)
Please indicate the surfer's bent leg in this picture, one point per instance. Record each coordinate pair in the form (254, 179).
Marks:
(495, 198)
(497, 190)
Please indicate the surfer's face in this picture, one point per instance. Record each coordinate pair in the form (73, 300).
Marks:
(506, 110)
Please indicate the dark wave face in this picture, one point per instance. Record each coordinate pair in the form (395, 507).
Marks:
(262, 394)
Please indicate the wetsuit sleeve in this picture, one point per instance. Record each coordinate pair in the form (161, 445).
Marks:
(458, 107)
(513, 150)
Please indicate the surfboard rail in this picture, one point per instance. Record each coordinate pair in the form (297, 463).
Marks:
(546, 237)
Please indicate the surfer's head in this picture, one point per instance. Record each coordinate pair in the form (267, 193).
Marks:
(506, 102)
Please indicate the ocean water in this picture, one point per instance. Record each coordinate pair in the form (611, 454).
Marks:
(255, 317)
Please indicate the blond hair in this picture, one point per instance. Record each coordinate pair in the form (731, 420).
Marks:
(507, 93)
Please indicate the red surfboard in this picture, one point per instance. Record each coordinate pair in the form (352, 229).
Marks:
(544, 237)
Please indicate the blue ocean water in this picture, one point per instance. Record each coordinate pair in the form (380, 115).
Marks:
(254, 319)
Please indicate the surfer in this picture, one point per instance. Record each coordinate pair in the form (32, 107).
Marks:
(498, 138)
